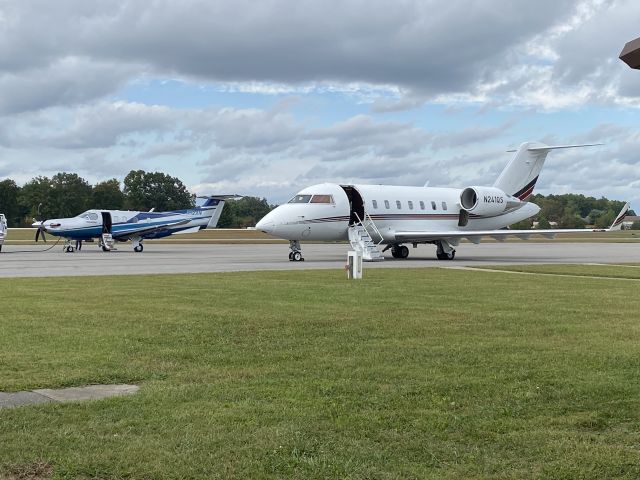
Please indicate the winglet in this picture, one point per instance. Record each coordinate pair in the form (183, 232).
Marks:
(617, 223)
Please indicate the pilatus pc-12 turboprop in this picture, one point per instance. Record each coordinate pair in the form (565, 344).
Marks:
(372, 215)
(124, 225)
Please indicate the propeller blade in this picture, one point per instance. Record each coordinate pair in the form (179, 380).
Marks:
(44, 239)
(37, 234)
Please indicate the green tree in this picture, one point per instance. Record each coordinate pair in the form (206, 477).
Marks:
(635, 225)
(9, 192)
(243, 213)
(525, 224)
(108, 195)
(146, 190)
(70, 194)
(543, 223)
(606, 219)
(34, 196)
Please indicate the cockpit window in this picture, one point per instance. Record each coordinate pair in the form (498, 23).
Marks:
(300, 199)
(322, 199)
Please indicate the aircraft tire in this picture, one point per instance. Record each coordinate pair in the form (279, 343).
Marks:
(138, 249)
(105, 249)
(297, 257)
(291, 256)
(403, 251)
(446, 256)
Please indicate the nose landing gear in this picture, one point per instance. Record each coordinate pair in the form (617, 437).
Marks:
(295, 255)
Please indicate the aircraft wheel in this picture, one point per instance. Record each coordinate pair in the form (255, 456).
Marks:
(104, 248)
(291, 256)
(446, 256)
(403, 251)
(69, 249)
(138, 249)
(297, 257)
(395, 251)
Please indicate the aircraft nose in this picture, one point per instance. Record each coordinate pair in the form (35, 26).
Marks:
(266, 225)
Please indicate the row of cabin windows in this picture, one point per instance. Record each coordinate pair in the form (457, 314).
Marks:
(434, 206)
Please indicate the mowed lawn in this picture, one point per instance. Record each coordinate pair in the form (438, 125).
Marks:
(425, 373)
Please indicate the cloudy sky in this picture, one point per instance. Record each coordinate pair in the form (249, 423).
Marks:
(263, 98)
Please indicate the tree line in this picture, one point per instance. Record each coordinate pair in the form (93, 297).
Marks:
(68, 194)
(572, 210)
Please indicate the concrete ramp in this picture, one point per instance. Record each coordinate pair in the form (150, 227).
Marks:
(73, 394)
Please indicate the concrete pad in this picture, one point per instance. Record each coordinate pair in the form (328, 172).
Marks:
(73, 394)
(19, 399)
(91, 392)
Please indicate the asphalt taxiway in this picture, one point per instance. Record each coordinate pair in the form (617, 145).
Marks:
(30, 261)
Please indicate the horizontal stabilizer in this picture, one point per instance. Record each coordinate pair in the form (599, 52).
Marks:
(221, 197)
(546, 148)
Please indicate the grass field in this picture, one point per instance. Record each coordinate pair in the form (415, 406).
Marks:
(25, 236)
(428, 373)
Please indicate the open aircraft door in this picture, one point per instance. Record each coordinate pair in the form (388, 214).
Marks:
(107, 229)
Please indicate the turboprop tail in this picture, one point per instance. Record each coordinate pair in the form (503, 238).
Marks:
(215, 203)
(519, 177)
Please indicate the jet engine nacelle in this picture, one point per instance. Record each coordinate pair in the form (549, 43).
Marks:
(484, 200)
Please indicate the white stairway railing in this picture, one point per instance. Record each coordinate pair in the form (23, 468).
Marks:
(361, 240)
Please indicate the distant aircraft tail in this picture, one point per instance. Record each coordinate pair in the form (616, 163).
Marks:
(519, 177)
(215, 203)
(617, 223)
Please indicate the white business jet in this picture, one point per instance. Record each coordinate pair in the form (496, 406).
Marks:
(372, 215)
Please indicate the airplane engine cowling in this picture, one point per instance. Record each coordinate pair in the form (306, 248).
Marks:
(484, 200)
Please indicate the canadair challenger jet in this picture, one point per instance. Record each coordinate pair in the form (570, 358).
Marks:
(370, 215)
(124, 225)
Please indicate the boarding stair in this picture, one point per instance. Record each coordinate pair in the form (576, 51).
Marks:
(361, 241)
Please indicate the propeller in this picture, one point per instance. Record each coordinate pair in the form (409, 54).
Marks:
(41, 229)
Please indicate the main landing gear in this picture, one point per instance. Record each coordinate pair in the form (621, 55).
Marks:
(400, 251)
(295, 255)
(444, 251)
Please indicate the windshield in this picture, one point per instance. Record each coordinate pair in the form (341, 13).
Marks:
(322, 199)
(300, 199)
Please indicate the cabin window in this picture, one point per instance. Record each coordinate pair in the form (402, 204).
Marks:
(386, 204)
(433, 205)
(322, 199)
(421, 205)
(374, 203)
(410, 203)
(444, 205)
(398, 204)
(93, 216)
(301, 199)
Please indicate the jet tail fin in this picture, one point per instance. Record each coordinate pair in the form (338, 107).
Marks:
(617, 223)
(519, 177)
